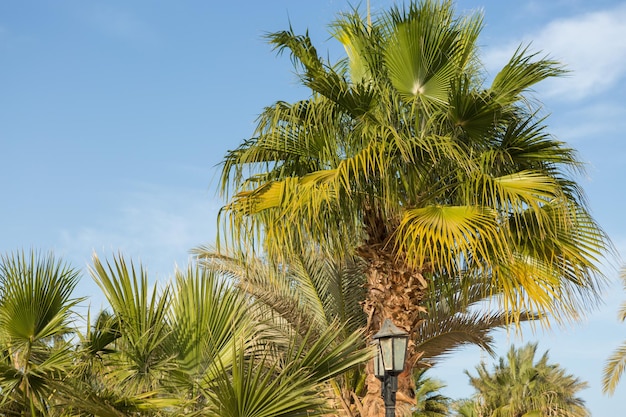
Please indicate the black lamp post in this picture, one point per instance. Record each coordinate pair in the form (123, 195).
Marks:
(389, 362)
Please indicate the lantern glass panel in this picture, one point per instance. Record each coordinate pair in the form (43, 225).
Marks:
(386, 350)
(399, 354)
(379, 367)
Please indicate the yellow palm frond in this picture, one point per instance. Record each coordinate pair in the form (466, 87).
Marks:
(445, 236)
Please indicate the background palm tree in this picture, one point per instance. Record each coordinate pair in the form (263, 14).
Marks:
(403, 157)
(35, 322)
(522, 386)
(616, 363)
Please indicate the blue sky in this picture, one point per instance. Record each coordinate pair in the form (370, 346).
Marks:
(114, 114)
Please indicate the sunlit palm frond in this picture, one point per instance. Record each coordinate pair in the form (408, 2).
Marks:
(329, 356)
(427, 49)
(285, 289)
(287, 385)
(83, 398)
(253, 387)
(35, 296)
(443, 235)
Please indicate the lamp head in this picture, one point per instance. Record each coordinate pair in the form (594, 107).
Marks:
(392, 347)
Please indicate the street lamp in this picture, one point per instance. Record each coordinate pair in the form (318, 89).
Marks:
(389, 362)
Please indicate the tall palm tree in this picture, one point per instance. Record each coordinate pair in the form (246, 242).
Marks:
(616, 363)
(35, 321)
(522, 386)
(402, 156)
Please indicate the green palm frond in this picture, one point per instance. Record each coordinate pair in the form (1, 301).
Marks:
(328, 356)
(208, 317)
(35, 293)
(439, 336)
(287, 385)
(35, 313)
(459, 313)
(141, 313)
(254, 388)
(80, 398)
(428, 49)
(309, 290)
(430, 402)
(520, 74)
(321, 78)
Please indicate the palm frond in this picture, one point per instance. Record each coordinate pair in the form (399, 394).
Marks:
(142, 319)
(443, 235)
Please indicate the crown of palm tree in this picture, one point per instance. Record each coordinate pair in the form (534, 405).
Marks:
(402, 154)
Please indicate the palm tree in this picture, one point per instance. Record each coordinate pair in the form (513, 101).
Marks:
(403, 157)
(520, 386)
(35, 321)
(616, 363)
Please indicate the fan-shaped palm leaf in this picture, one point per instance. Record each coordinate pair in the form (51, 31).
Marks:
(35, 314)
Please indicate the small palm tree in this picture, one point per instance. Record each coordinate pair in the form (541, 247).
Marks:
(522, 386)
(616, 364)
(35, 323)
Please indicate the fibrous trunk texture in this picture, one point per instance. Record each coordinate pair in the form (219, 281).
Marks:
(394, 291)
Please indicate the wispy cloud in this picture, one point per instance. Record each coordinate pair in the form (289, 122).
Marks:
(155, 225)
(590, 45)
(603, 121)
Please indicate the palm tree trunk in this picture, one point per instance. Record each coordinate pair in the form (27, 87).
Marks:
(394, 291)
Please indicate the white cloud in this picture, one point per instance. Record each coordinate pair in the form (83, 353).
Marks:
(591, 45)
